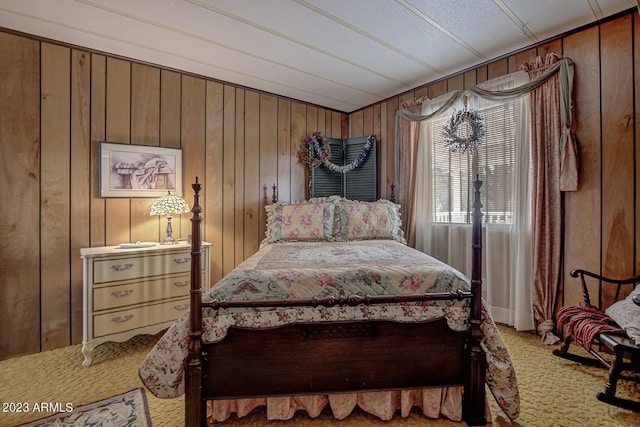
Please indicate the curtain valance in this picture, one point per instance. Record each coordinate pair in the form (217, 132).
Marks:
(567, 148)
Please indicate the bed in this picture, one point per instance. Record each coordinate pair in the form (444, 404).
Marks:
(334, 309)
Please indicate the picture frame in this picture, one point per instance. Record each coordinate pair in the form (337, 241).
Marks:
(139, 171)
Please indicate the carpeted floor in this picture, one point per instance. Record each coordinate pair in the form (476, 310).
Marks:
(554, 392)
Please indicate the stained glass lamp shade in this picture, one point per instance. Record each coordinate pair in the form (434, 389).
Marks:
(169, 205)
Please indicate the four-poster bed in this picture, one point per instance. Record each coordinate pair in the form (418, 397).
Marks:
(332, 340)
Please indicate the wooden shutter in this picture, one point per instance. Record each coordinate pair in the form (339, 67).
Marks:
(357, 184)
(325, 182)
(361, 182)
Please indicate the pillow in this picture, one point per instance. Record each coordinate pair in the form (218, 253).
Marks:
(339, 218)
(627, 314)
(299, 221)
(372, 220)
(305, 221)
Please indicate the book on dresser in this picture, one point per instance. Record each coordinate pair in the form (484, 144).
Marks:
(134, 289)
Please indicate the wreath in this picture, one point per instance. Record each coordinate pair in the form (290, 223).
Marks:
(307, 152)
(315, 150)
(464, 145)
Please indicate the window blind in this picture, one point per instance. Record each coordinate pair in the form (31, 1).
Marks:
(452, 184)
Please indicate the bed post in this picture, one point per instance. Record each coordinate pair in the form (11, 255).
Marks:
(475, 399)
(194, 410)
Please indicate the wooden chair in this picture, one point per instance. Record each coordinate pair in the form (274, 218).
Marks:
(611, 348)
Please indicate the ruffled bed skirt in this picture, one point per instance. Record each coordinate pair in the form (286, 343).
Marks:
(434, 402)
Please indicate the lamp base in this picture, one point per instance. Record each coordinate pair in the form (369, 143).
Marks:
(169, 241)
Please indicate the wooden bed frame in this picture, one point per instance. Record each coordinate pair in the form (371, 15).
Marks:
(257, 363)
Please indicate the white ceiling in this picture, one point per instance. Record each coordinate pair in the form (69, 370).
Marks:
(340, 54)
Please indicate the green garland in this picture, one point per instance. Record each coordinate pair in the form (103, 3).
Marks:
(315, 150)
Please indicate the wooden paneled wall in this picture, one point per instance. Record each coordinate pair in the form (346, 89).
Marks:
(56, 103)
(601, 220)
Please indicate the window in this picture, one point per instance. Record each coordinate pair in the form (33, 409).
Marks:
(357, 184)
(444, 197)
(452, 171)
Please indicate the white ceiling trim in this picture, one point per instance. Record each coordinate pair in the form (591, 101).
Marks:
(595, 7)
(342, 55)
(440, 28)
(234, 49)
(188, 58)
(368, 35)
(286, 37)
(523, 27)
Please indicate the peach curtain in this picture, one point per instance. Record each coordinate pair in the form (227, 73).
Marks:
(409, 131)
(547, 216)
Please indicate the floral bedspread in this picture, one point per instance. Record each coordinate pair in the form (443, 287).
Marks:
(307, 269)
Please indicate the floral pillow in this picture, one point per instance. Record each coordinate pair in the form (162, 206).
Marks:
(299, 221)
(627, 314)
(339, 218)
(303, 221)
(373, 220)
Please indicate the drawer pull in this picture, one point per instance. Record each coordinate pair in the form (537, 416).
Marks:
(181, 284)
(181, 307)
(119, 267)
(182, 260)
(120, 294)
(119, 319)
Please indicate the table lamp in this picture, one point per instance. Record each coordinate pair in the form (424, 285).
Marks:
(168, 205)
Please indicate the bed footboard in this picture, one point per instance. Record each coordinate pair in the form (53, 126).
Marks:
(304, 359)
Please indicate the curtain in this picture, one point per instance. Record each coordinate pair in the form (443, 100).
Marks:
(508, 259)
(423, 211)
(407, 180)
(406, 147)
(548, 130)
(565, 150)
(509, 246)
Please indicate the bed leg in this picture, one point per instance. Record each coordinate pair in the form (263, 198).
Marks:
(193, 410)
(474, 397)
(475, 394)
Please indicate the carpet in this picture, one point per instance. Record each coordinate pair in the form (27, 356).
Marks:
(124, 410)
(554, 392)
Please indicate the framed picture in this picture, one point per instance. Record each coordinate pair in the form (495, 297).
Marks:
(128, 171)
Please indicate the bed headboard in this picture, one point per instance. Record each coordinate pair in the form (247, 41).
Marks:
(392, 195)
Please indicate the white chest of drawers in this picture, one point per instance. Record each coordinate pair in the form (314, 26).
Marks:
(127, 292)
